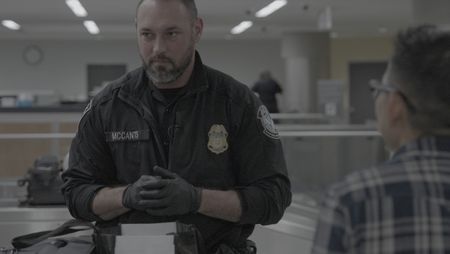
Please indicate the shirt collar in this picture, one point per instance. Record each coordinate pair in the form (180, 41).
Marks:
(424, 143)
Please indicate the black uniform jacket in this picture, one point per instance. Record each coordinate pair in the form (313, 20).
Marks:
(223, 138)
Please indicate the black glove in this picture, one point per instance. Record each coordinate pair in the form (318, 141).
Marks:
(132, 197)
(176, 197)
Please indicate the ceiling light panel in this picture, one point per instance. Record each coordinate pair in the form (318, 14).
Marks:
(244, 25)
(270, 8)
(10, 24)
(91, 26)
(77, 8)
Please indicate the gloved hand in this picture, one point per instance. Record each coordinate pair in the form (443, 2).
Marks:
(132, 197)
(175, 197)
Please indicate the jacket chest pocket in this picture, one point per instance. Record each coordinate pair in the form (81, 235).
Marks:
(126, 146)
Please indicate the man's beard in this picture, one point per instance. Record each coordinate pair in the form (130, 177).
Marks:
(167, 72)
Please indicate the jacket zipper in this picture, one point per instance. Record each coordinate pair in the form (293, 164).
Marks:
(148, 117)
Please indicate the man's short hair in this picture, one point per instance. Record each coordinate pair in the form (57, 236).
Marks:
(190, 5)
(421, 64)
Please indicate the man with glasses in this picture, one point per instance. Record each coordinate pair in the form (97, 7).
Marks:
(402, 205)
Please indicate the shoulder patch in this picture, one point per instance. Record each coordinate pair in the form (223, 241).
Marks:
(267, 123)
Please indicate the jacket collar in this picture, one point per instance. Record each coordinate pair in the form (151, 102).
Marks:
(198, 81)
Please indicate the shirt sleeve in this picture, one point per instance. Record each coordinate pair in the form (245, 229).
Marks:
(331, 234)
(278, 88)
(85, 176)
(264, 186)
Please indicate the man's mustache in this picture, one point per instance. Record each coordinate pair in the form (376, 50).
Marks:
(160, 58)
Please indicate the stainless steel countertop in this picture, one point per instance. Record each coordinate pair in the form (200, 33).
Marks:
(32, 214)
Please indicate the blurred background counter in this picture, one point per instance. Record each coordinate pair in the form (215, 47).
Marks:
(317, 154)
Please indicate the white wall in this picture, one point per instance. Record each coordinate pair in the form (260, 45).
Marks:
(244, 59)
(64, 66)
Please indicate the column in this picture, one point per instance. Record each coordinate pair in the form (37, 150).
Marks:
(307, 57)
(431, 12)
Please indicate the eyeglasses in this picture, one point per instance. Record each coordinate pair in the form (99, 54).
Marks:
(377, 87)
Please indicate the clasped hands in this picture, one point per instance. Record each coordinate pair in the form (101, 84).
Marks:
(163, 194)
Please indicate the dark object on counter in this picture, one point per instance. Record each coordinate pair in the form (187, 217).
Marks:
(44, 182)
(55, 241)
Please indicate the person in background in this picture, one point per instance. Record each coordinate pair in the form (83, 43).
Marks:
(403, 204)
(267, 89)
(176, 140)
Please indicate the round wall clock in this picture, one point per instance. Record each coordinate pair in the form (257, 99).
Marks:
(33, 55)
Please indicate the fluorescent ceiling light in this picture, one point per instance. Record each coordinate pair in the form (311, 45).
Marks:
(10, 24)
(270, 8)
(91, 27)
(77, 8)
(244, 25)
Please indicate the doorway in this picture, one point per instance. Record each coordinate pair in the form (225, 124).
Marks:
(99, 75)
(361, 101)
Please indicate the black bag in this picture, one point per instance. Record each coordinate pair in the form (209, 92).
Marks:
(43, 182)
(53, 241)
(188, 240)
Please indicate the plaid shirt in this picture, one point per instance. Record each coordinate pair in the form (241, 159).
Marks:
(402, 206)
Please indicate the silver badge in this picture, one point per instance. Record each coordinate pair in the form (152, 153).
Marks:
(217, 142)
(267, 123)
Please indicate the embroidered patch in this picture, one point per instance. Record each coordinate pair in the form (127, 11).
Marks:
(217, 142)
(267, 123)
(121, 136)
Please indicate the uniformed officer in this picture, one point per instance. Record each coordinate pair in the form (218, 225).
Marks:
(177, 140)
